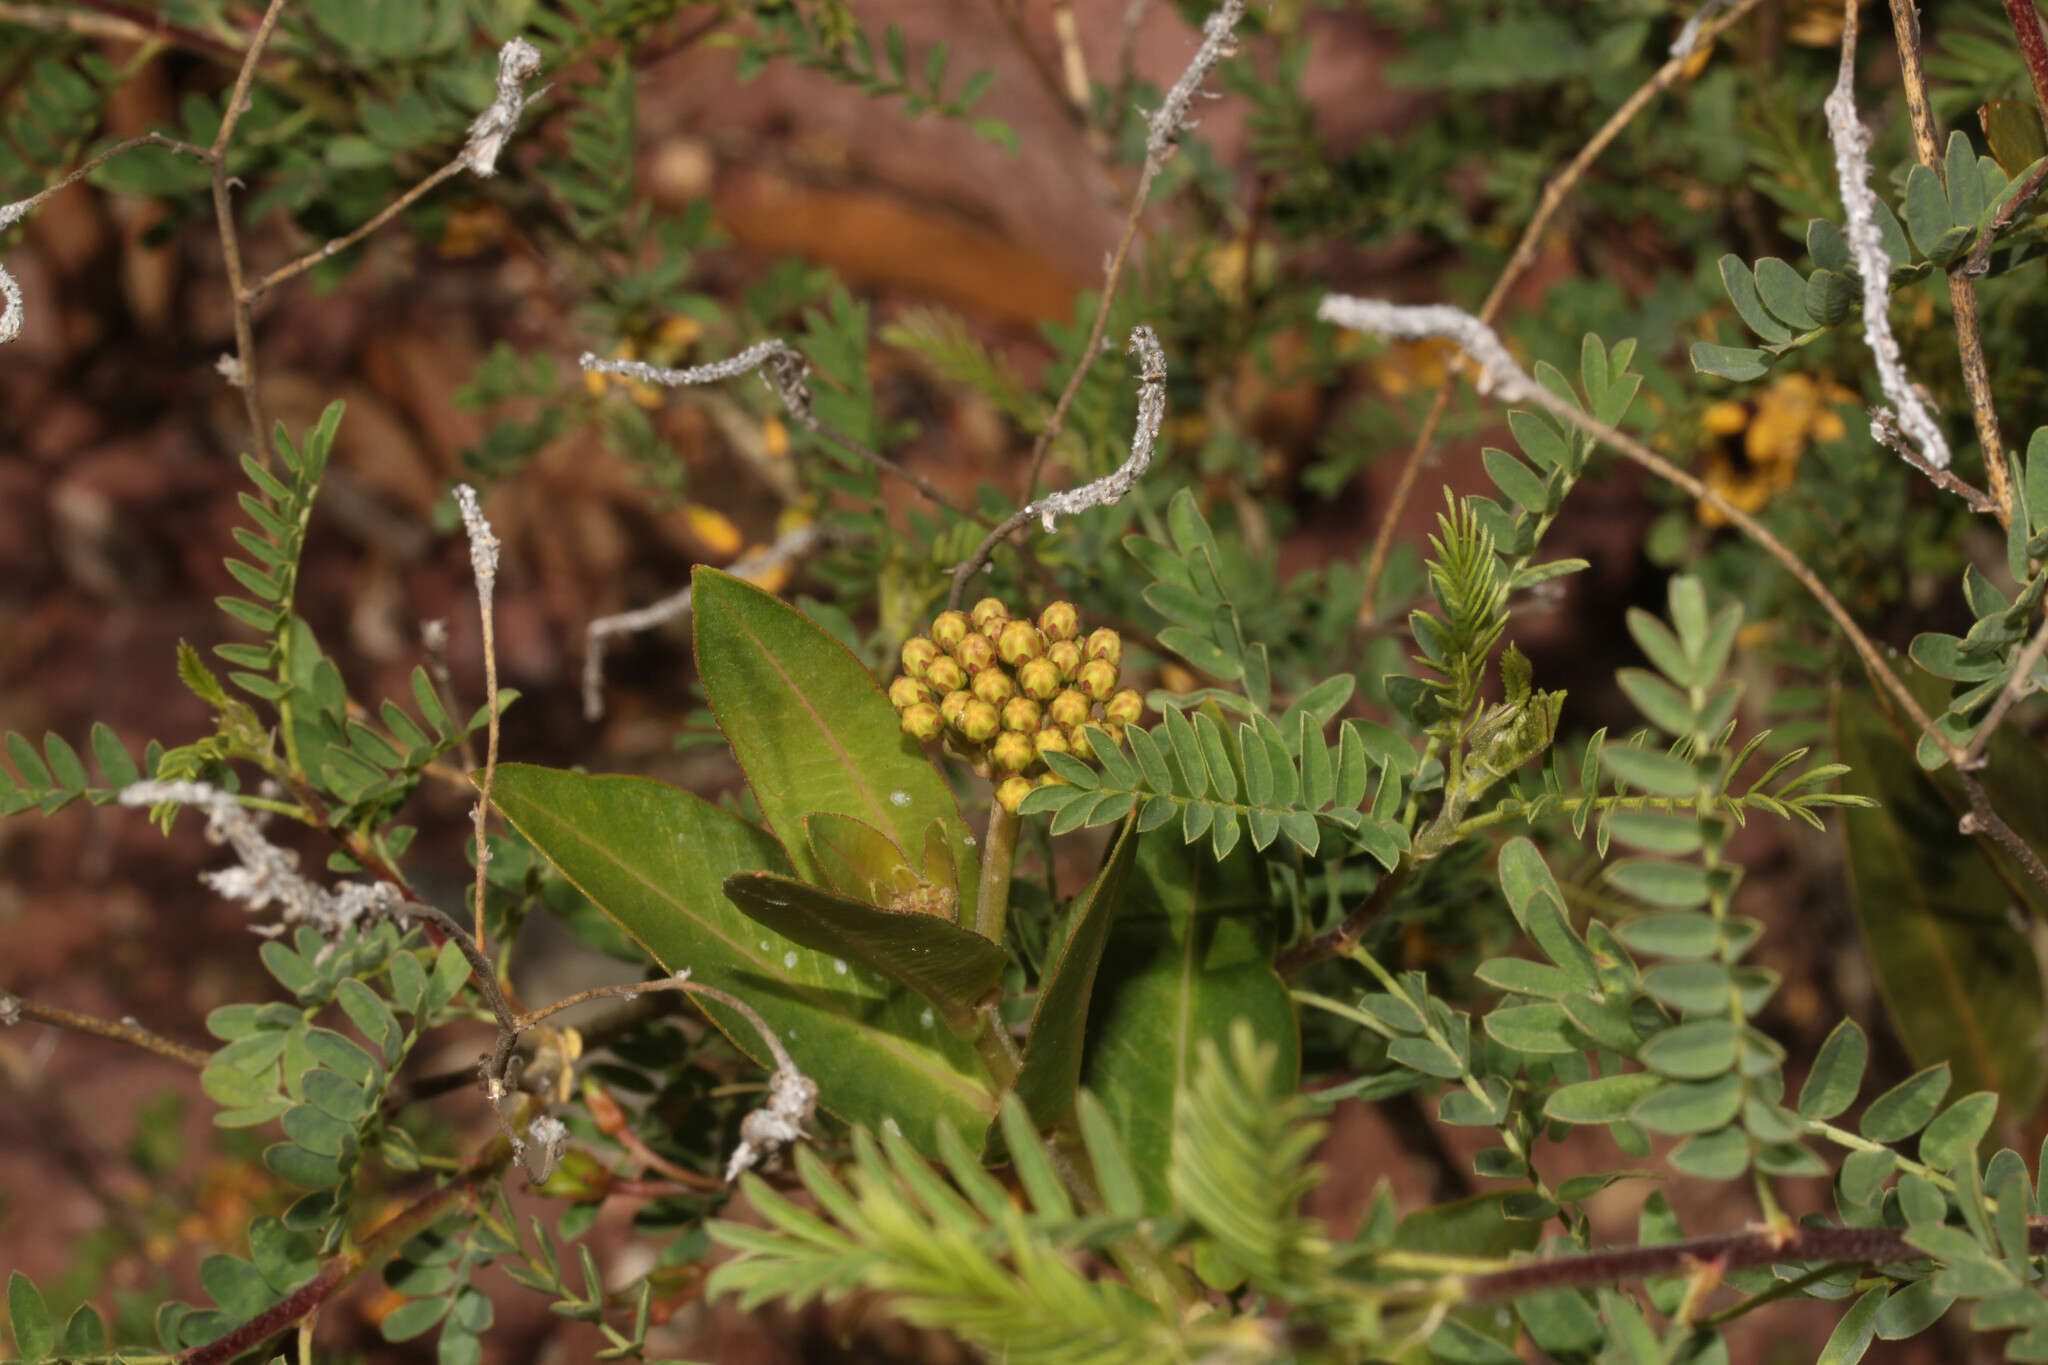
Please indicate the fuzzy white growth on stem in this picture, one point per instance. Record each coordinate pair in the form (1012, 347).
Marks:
(266, 874)
(1112, 486)
(10, 292)
(483, 543)
(1219, 40)
(790, 545)
(517, 61)
(1866, 248)
(483, 562)
(1498, 371)
(783, 369)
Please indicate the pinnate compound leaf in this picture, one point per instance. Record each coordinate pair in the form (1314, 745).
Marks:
(654, 858)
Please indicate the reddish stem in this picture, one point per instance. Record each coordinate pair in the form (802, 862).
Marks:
(1733, 1251)
(2026, 28)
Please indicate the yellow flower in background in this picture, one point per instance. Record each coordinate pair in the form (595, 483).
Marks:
(1816, 23)
(1795, 412)
(674, 337)
(714, 530)
(775, 438)
(1406, 366)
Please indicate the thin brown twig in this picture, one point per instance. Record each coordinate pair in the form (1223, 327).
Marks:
(35, 201)
(1962, 288)
(230, 239)
(343, 243)
(2026, 31)
(1730, 1251)
(621, 991)
(1985, 816)
(1345, 935)
(1978, 262)
(366, 1253)
(1884, 429)
(120, 28)
(1555, 193)
(123, 1031)
(483, 559)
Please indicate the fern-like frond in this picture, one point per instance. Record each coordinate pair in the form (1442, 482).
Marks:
(1240, 1166)
(954, 1252)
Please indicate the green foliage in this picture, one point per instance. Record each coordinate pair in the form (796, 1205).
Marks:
(1363, 805)
(1946, 215)
(843, 51)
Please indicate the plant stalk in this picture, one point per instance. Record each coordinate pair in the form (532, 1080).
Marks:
(998, 860)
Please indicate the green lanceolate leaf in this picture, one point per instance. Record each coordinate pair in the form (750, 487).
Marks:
(1052, 1057)
(857, 859)
(954, 968)
(1959, 979)
(813, 731)
(1189, 951)
(654, 858)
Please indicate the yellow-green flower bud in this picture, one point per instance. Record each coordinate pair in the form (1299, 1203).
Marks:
(917, 652)
(1039, 678)
(1012, 752)
(994, 686)
(1097, 678)
(954, 707)
(1022, 714)
(1012, 793)
(1124, 708)
(907, 691)
(1051, 779)
(921, 721)
(1104, 644)
(1060, 621)
(1019, 643)
(1069, 708)
(986, 610)
(1051, 741)
(975, 653)
(1067, 656)
(1078, 745)
(943, 675)
(949, 629)
(979, 722)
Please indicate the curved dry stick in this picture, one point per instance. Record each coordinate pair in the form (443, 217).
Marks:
(1555, 192)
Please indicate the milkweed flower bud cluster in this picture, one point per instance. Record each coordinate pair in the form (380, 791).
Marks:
(1004, 691)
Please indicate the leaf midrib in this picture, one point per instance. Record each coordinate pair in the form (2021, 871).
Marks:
(917, 1058)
